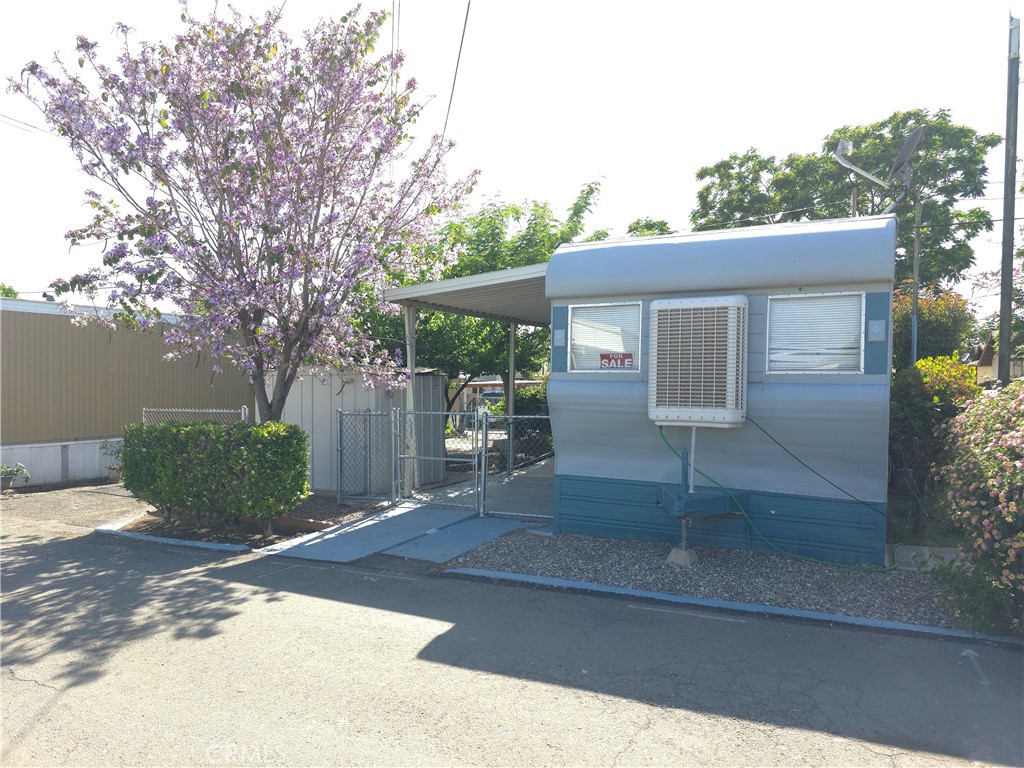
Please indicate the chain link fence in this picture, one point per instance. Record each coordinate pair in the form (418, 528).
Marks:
(194, 415)
(440, 457)
(435, 456)
(366, 455)
(516, 442)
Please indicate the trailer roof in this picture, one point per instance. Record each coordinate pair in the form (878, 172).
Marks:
(816, 252)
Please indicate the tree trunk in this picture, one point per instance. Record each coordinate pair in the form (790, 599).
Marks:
(259, 386)
(455, 398)
(271, 409)
(505, 388)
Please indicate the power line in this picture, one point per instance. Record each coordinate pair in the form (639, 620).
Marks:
(455, 77)
(10, 120)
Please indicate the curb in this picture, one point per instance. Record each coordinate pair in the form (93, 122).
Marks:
(114, 529)
(793, 613)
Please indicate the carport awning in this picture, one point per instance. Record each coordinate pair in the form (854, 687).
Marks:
(509, 296)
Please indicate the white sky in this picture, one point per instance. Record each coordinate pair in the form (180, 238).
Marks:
(554, 93)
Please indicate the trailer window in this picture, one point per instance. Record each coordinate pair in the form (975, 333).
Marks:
(604, 337)
(816, 333)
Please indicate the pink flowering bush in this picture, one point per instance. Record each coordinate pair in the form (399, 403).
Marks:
(984, 479)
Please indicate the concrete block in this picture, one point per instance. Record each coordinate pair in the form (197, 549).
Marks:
(682, 556)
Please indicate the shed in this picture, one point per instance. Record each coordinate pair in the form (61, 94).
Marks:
(314, 403)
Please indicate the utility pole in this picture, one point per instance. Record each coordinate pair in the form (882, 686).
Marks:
(917, 281)
(1009, 195)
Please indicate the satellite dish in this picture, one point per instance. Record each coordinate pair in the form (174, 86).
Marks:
(900, 169)
(906, 152)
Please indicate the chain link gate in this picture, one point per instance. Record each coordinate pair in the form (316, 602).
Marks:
(492, 464)
(366, 456)
(431, 456)
(439, 457)
(517, 477)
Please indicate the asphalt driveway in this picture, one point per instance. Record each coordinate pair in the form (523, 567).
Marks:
(119, 652)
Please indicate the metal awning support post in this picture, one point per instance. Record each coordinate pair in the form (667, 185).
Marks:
(407, 443)
(511, 405)
(510, 401)
(409, 315)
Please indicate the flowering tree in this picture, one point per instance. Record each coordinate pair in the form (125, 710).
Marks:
(258, 184)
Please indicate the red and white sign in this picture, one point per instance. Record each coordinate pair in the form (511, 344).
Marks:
(617, 361)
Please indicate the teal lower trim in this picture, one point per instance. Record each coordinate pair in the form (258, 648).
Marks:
(827, 529)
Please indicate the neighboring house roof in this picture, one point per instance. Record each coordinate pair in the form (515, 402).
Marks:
(987, 354)
(35, 307)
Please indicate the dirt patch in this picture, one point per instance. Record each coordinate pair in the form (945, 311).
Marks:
(87, 506)
(96, 504)
(316, 512)
(250, 533)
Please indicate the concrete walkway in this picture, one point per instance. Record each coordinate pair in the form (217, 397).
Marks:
(527, 492)
(428, 529)
(419, 531)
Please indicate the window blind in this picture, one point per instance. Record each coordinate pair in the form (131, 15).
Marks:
(815, 333)
(605, 337)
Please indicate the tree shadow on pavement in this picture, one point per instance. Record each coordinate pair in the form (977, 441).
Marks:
(84, 598)
(896, 690)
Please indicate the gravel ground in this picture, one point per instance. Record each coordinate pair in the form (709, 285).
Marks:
(749, 577)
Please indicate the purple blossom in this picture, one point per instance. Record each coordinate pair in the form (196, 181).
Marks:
(262, 205)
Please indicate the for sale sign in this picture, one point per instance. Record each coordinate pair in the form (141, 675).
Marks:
(617, 361)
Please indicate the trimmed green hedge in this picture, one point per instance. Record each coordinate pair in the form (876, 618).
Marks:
(227, 473)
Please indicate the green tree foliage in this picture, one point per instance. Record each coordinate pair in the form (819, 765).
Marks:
(7, 292)
(944, 322)
(648, 228)
(984, 476)
(949, 167)
(645, 227)
(498, 236)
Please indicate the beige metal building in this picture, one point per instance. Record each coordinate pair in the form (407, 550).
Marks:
(64, 389)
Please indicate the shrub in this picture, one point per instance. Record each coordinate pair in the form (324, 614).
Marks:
(943, 320)
(984, 477)
(529, 400)
(922, 399)
(257, 471)
(950, 383)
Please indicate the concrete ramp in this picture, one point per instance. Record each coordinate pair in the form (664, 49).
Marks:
(420, 531)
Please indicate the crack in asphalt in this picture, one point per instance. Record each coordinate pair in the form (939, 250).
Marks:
(647, 725)
(13, 675)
